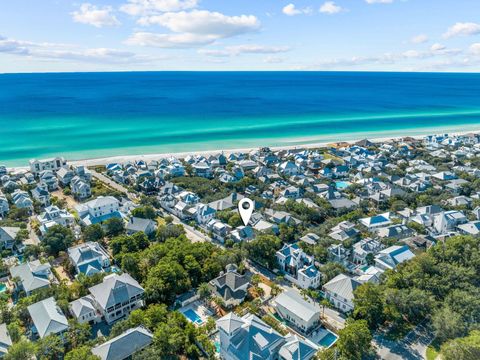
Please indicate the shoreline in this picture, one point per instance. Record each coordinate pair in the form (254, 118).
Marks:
(101, 161)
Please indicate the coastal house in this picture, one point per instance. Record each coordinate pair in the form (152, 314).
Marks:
(8, 235)
(364, 247)
(21, 200)
(344, 231)
(41, 194)
(31, 276)
(288, 168)
(447, 221)
(376, 221)
(88, 258)
(52, 216)
(302, 315)
(116, 296)
(84, 311)
(125, 345)
(248, 337)
(36, 166)
(5, 340)
(470, 228)
(242, 233)
(297, 266)
(230, 286)
(389, 258)
(396, 231)
(136, 224)
(218, 230)
(48, 318)
(339, 291)
(80, 187)
(48, 177)
(99, 210)
(65, 176)
(4, 207)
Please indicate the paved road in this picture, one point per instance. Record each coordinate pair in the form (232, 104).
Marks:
(33, 237)
(412, 347)
(114, 185)
(193, 234)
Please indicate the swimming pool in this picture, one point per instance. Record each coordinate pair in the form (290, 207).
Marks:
(217, 347)
(193, 316)
(342, 184)
(328, 340)
(3, 287)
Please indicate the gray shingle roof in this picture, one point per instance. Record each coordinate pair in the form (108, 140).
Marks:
(124, 345)
(47, 317)
(115, 289)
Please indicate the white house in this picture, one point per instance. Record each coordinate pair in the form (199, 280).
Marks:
(84, 311)
(298, 266)
(117, 296)
(339, 291)
(99, 210)
(36, 166)
(301, 314)
(52, 216)
(389, 258)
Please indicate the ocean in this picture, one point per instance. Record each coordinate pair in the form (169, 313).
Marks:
(89, 115)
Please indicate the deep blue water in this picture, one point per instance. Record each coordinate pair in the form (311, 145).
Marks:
(82, 115)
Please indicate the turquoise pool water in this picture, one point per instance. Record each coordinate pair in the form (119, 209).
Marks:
(193, 316)
(342, 184)
(3, 287)
(217, 347)
(328, 340)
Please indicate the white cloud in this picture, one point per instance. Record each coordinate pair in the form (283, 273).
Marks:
(186, 40)
(292, 10)
(214, 52)
(194, 28)
(437, 47)
(244, 49)
(145, 7)
(462, 29)
(273, 60)
(412, 54)
(204, 22)
(329, 7)
(475, 49)
(52, 51)
(419, 39)
(257, 49)
(96, 16)
(379, 1)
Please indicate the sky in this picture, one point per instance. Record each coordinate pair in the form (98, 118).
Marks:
(140, 35)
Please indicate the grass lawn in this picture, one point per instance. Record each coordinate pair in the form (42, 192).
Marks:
(433, 350)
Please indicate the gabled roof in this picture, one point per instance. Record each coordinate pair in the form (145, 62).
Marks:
(32, 275)
(124, 345)
(82, 306)
(293, 302)
(115, 289)
(5, 340)
(47, 317)
(297, 349)
(342, 285)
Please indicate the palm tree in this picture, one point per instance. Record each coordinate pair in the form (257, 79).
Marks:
(324, 303)
(204, 292)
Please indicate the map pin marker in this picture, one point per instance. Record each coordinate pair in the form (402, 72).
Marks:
(245, 208)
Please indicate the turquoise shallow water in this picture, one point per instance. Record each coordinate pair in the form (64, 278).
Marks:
(84, 115)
